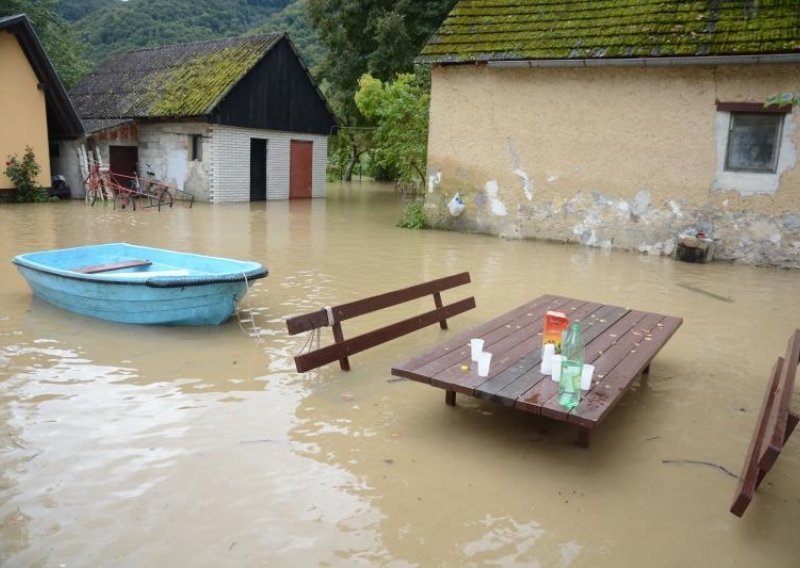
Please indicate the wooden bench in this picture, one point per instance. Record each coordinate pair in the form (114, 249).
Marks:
(775, 424)
(343, 348)
(95, 268)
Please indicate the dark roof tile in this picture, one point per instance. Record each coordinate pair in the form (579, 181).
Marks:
(486, 30)
(174, 81)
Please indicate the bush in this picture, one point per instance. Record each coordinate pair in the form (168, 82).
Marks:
(413, 216)
(23, 175)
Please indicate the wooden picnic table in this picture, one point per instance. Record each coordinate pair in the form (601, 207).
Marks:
(620, 343)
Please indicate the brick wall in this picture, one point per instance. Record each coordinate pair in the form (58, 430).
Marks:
(231, 163)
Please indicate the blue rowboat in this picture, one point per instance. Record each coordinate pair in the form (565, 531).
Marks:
(135, 284)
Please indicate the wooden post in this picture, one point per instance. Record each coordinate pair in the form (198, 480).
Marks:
(583, 436)
(338, 336)
(437, 299)
(450, 398)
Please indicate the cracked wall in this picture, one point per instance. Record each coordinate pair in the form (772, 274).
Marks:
(607, 157)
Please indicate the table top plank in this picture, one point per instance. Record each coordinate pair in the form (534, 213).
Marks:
(506, 346)
(605, 395)
(605, 319)
(446, 354)
(415, 368)
(533, 399)
(529, 360)
(619, 342)
(606, 361)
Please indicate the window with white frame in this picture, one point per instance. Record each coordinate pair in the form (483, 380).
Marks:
(754, 144)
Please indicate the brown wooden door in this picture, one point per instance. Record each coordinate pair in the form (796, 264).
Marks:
(300, 169)
(123, 161)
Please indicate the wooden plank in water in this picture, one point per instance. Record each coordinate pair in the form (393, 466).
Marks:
(307, 322)
(749, 479)
(95, 268)
(365, 341)
(779, 414)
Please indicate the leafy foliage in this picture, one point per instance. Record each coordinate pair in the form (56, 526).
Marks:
(783, 99)
(23, 174)
(379, 37)
(413, 215)
(60, 42)
(400, 109)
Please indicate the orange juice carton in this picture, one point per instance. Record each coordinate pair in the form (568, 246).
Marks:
(555, 323)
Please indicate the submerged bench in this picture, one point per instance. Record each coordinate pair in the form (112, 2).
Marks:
(96, 268)
(775, 424)
(343, 348)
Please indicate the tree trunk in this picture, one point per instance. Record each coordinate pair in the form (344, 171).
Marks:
(348, 171)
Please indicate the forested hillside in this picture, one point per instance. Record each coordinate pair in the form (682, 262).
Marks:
(106, 26)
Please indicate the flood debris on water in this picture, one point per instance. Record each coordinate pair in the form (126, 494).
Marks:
(705, 292)
(700, 462)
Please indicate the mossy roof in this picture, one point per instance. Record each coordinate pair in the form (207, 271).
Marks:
(176, 81)
(496, 30)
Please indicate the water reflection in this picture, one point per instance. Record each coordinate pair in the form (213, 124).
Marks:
(130, 446)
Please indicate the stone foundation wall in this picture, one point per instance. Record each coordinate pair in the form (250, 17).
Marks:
(602, 220)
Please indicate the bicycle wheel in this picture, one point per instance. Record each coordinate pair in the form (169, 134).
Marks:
(124, 200)
(166, 197)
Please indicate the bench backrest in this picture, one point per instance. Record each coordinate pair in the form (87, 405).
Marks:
(333, 317)
(775, 424)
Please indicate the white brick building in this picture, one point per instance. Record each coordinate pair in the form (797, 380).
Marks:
(262, 134)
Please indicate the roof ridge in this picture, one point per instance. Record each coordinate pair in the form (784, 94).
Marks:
(199, 43)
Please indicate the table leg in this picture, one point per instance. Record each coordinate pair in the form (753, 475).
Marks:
(645, 375)
(450, 398)
(583, 437)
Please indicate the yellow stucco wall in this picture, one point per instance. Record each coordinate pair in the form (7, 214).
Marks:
(531, 140)
(23, 115)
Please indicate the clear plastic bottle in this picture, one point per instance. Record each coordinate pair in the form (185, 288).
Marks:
(573, 352)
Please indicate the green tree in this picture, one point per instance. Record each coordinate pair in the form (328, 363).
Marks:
(379, 37)
(400, 110)
(57, 37)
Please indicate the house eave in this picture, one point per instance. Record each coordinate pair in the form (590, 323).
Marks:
(753, 59)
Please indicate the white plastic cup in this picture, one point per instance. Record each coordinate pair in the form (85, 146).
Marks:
(484, 360)
(586, 377)
(547, 358)
(476, 345)
(555, 363)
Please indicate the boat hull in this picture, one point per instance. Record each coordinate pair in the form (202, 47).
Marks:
(170, 291)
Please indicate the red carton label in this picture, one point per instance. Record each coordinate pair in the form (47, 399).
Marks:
(554, 325)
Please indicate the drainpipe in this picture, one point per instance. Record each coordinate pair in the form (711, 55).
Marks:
(649, 61)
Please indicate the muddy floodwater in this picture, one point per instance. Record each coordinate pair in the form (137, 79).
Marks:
(133, 446)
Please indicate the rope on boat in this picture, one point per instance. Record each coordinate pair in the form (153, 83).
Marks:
(184, 281)
(253, 331)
